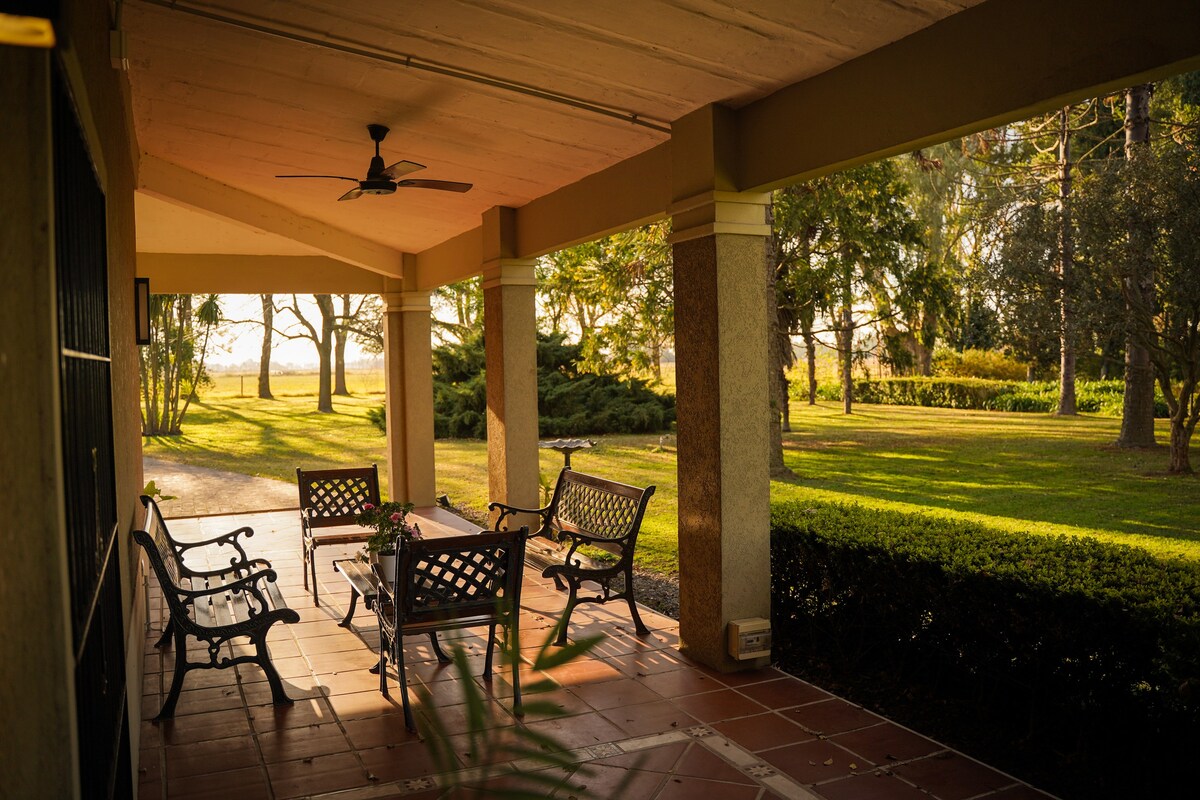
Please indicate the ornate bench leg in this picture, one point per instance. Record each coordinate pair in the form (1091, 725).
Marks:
(312, 566)
(408, 716)
(638, 625)
(566, 618)
(278, 695)
(437, 648)
(166, 634)
(345, 623)
(491, 645)
(181, 669)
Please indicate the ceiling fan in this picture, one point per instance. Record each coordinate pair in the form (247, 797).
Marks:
(386, 180)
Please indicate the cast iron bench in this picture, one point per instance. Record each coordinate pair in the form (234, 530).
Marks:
(213, 606)
(586, 510)
(330, 499)
(448, 583)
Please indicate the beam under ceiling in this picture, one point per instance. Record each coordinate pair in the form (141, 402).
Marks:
(175, 184)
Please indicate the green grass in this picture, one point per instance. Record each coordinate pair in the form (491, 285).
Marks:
(289, 384)
(1019, 472)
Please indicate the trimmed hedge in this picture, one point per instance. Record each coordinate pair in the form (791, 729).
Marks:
(979, 394)
(1071, 662)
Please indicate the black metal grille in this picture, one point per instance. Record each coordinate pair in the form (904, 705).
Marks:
(89, 487)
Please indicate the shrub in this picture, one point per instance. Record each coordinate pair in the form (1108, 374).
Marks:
(973, 363)
(1074, 662)
(570, 402)
(1091, 397)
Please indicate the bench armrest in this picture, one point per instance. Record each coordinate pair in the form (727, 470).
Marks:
(230, 539)
(511, 511)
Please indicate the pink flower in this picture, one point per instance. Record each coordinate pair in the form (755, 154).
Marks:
(416, 532)
(368, 506)
(396, 517)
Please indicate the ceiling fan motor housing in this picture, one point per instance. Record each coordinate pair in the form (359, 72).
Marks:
(377, 186)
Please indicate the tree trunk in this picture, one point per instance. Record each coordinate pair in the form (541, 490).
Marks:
(845, 342)
(1066, 310)
(785, 402)
(1181, 439)
(774, 357)
(1137, 414)
(264, 357)
(339, 351)
(325, 352)
(810, 357)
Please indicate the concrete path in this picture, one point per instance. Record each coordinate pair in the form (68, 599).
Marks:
(201, 491)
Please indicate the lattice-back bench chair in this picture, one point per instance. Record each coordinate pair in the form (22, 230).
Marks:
(587, 510)
(213, 606)
(329, 501)
(448, 583)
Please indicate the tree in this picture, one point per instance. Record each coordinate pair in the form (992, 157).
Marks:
(340, 334)
(1137, 415)
(264, 359)
(321, 338)
(465, 302)
(172, 365)
(863, 225)
(1144, 232)
(617, 294)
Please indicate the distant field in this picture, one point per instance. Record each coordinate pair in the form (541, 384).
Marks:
(291, 384)
(1019, 472)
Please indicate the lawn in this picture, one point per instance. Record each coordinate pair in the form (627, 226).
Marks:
(1020, 472)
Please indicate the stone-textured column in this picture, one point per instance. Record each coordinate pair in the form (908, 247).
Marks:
(408, 367)
(719, 243)
(510, 337)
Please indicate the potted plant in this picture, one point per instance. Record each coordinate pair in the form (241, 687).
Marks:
(388, 522)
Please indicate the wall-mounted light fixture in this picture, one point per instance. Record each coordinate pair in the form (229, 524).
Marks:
(28, 23)
(141, 309)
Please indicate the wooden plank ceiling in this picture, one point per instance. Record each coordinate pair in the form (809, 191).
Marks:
(240, 106)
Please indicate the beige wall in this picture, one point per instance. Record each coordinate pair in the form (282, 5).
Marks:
(36, 668)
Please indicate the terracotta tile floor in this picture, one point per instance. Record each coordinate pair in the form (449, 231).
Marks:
(642, 720)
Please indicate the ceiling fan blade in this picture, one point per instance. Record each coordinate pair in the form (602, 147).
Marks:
(335, 177)
(353, 194)
(401, 168)
(445, 186)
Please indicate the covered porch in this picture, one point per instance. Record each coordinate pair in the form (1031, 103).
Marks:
(572, 121)
(642, 720)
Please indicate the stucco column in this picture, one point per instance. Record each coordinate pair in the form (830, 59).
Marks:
(408, 367)
(510, 338)
(719, 247)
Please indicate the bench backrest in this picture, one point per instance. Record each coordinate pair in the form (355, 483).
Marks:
(456, 577)
(598, 507)
(164, 558)
(331, 497)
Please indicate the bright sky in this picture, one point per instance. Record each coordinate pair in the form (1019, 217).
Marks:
(242, 343)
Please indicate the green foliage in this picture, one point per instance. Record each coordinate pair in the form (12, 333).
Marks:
(172, 365)
(977, 394)
(491, 743)
(571, 402)
(1077, 657)
(618, 293)
(971, 363)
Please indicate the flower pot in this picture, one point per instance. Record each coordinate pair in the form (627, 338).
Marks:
(387, 565)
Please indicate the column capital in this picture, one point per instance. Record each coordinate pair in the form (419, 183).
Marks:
(510, 272)
(715, 212)
(406, 301)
